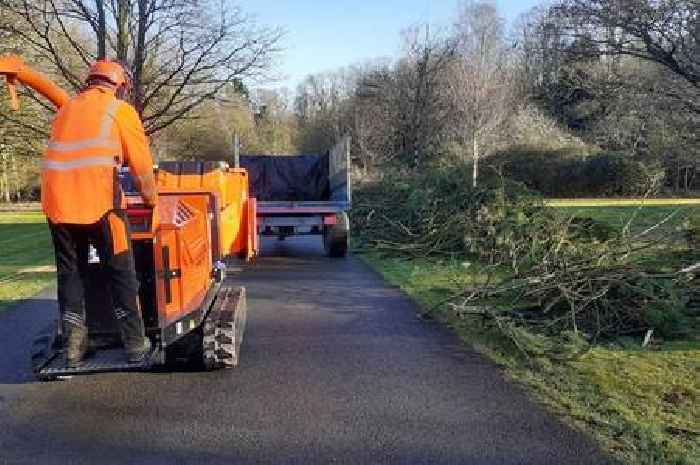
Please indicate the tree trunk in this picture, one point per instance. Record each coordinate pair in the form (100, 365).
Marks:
(15, 175)
(476, 155)
(140, 53)
(5, 180)
(122, 19)
(101, 30)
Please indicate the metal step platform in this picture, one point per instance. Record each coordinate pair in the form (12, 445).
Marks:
(101, 361)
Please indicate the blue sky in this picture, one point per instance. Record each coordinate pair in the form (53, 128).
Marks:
(327, 35)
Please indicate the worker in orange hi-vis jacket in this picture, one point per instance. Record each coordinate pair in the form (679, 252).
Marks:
(92, 135)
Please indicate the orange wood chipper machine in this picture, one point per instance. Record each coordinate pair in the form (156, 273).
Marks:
(192, 312)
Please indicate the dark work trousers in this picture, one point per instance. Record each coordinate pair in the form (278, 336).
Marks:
(110, 237)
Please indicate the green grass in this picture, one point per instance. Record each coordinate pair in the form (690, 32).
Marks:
(662, 223)
(619, 202)
(26, 255)
(642, 405)
(639, 219)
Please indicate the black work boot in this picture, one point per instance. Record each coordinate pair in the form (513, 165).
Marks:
(139, 353)
(131, 327)
(76, 344)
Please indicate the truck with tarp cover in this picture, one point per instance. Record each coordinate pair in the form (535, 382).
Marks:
(303, 194)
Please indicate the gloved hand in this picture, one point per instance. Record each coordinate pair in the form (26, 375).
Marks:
(150, 201)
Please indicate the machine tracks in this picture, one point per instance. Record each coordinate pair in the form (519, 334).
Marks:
(215, 345)
(223, 329)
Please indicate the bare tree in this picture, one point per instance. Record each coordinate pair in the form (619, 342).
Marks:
(322, 106)
(663, 31)
(480, 79)
(538, 49)
(274, 123)
(372, 115)
(181, 52)
(602, 82)
(424, 108)
(21, 137)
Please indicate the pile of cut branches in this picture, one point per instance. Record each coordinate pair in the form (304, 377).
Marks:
(572, 282)
(433, 212)
(559, 313)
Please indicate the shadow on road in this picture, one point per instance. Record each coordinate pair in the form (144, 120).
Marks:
(303, 247)
(240, 446)
(18, 327)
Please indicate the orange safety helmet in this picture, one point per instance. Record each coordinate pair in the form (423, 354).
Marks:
(111, 71)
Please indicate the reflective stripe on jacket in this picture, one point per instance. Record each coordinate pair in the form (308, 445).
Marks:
(91, 136)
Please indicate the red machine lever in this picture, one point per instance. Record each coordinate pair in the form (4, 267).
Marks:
(139, 212)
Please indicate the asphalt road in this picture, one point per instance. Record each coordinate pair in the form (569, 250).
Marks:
(336, 368)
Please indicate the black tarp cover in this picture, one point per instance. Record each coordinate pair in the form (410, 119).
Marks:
(287, 178)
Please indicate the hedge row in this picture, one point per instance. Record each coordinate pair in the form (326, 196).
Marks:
(562, 174)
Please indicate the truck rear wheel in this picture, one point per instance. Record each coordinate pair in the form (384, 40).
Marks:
(336, 237)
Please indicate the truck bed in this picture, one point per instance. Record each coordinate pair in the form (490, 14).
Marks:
(303, 194)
